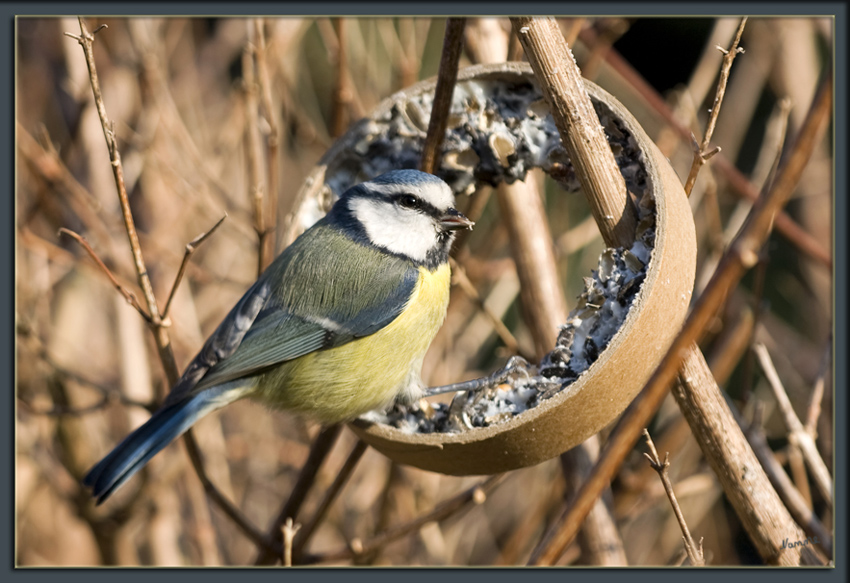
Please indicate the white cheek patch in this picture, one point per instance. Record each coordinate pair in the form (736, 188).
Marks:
(402, 231)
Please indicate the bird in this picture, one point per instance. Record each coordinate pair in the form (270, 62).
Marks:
(335, 327)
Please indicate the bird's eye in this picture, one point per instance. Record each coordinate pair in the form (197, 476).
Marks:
(408, 201)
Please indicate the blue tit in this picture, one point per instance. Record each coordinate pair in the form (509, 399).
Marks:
(336, 326)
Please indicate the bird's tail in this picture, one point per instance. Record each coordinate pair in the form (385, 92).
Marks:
(162, 428)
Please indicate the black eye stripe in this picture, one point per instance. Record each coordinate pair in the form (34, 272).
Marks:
(412, 201)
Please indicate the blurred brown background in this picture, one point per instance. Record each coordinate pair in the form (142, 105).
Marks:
(87, 368)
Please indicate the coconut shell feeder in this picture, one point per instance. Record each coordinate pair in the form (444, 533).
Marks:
(633, 304)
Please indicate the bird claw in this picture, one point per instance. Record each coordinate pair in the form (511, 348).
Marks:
(515, 364)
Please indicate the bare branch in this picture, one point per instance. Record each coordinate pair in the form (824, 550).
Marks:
(318, 452)
(288, 530)
(128, 295)
(817, 392)
(777, 128)
(190, 249)
(342, 90)
(475, 495)
(161, 337)
(459, 276)
(739, 183)
(229, 509)
(797, 433)
(158, 326)
(790, 495)
(728, 59)
(447, 76)
(741, 255)
(253, 149)
(695, 553)
(579, 127)
(702, 155)
(43, 157)
(297, 546)
(272, 139)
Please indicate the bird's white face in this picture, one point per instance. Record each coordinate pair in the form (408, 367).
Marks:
(412, 216)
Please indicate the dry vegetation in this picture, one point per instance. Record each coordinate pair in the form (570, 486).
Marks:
(195, 144)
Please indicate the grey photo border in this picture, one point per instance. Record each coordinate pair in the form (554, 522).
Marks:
(9, 11)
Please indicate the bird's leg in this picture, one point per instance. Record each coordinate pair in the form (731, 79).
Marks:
(514, 363)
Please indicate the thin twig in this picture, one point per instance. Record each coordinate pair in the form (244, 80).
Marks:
(339, 482)
(695, 553)
(777, 128)
(161, 336)
(578, 237)
(728, 59)
(432, 152)
(791, 496)
(797, 432)
(272, 141)
(109, 395)
(190, 249)
(739, 183)
(230, 510)
(732, 344)
(45, 160)
(741, 255)
(701, 152)
(797, 465)
(610, 29)
(475, 495)
(392, 485)
(128, 295)
(486, 42)
(459, 276)
(163, 342)
(714, 221)
(318, 452)
(330, 32)
(60, 411)
(253, 149)
(342, 92)
(758, 307)
(599, 539)
(409, 53)
(679, 559)
(288, 531)
(519, 543)
(814, 409)
(175, 125)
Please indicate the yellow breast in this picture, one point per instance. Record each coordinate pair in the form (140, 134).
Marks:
(342, 383)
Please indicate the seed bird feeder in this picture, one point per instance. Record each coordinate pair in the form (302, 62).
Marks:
(499, 127)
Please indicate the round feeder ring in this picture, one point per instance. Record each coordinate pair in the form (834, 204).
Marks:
(500, 127)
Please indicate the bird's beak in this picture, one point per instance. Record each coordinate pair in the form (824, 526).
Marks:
(454, 220)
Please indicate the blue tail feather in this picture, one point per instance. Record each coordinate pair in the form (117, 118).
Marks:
(139, 447)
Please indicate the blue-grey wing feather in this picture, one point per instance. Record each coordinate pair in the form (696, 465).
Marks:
(224, 341)
(280, 337)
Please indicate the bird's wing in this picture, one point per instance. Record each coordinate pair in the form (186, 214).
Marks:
(224, 341)
(321, 292)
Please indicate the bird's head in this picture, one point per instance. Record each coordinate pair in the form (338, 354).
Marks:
(405, 212)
